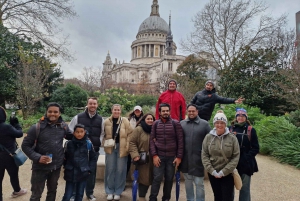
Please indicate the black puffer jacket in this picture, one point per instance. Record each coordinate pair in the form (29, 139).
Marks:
(206, 100)
(50, 140)
(79, 161)
(164, 140)
(248, 149)
(8, 133)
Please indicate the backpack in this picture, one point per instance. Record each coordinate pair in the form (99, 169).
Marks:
(248, 132)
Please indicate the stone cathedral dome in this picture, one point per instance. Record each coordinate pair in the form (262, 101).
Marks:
(154, 24)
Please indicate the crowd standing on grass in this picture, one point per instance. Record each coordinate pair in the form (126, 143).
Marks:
(8, 135)
(94, 125)
(189, 145)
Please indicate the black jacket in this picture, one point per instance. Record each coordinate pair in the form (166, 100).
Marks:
(8, 133)
(79, 161)
(248, 149)
(50, 140)
(93, 126)
(206, 100)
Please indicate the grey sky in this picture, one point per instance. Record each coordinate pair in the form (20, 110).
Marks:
(112, 25)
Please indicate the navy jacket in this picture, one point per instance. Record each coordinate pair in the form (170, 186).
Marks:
(8, 133)
(79, 161)
(248, 149)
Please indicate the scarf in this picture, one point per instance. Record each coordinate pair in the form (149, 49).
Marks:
(147, 128)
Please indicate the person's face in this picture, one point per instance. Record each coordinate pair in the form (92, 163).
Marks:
(220, 127)
(172, 86)
(92, 106)
(149, 120)
(192, 112)
(79, 133)
(137, 113)
(209, 86)
(241, 118)
(116, 111)
(53, 113)
(164, 112)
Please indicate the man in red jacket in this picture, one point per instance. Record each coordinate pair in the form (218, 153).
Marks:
(175, 99)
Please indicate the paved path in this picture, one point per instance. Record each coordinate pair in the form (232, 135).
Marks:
(273, 182)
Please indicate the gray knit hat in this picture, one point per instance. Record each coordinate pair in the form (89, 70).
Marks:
(220, 116)
(210, 81)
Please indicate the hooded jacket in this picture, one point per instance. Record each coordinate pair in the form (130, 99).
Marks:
(79, 161)
(50, 140)
(212, 157)
(8, 133)
(206, 100)
(176, 101)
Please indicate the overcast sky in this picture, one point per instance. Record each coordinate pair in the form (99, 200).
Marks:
(112, 25)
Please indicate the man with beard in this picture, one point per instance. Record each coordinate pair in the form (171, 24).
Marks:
(207, 99)
(94, 124)
(166, 148)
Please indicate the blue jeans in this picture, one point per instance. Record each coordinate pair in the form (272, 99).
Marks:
(167, 170)
(189, 181)
(78, 187)
(115, 172)
(245, 191)
(90, 183)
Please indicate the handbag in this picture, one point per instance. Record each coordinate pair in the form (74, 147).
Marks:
(236, 176)
(144, 158)
(112, 142)
(19, 156)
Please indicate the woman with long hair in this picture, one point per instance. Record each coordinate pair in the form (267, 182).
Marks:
(139, 142)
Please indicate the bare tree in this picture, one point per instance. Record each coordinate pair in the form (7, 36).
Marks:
(91, 78)
(32, 74)
(164, 80)
(223, 27)
(39, 20)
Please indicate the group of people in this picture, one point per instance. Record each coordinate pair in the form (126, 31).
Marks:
(170, 140)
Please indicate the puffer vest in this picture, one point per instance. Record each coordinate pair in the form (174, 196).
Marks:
(93, 126)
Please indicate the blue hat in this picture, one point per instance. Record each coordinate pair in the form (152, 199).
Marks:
(241, 111)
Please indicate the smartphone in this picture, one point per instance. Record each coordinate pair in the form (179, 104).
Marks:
(13, 114)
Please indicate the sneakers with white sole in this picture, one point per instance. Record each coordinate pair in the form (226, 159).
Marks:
(17, 194)
(116, 197)
(91, 198)
(110, 197)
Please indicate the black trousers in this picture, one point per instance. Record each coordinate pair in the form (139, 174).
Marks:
(143, 190)
(38, 180)
(7, 163)
(165, 170)
(222, 187)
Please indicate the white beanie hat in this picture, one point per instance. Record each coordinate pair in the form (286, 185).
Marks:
(220, 116)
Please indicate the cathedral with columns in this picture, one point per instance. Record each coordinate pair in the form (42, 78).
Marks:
(153, 58)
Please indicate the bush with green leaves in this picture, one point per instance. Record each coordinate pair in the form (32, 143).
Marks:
(145, 100)
(294, 117)
(70, 96)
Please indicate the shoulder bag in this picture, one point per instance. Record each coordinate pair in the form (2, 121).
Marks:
(236, 177)
(112, 142)
(19, 156)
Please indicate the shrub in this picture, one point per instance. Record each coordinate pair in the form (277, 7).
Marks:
(294, 118)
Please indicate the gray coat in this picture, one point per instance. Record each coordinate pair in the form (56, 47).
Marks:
(194, 133)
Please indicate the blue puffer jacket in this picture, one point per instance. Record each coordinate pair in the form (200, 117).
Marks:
(8, 133)
(79, 161)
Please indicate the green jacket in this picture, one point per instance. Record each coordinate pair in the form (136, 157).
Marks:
(212, 157)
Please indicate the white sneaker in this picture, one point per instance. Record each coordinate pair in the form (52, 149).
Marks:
(17, 194)
(91, 198)
(110, 197)
(116, 197)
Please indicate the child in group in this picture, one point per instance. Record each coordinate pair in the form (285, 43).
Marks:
(79, 161)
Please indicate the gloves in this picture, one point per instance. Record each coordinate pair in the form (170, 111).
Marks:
(13, 121)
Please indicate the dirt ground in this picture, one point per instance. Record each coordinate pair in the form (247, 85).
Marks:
(273, 182)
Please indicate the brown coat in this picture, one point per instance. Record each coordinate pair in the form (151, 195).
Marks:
(125, 132)
(139, 142)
